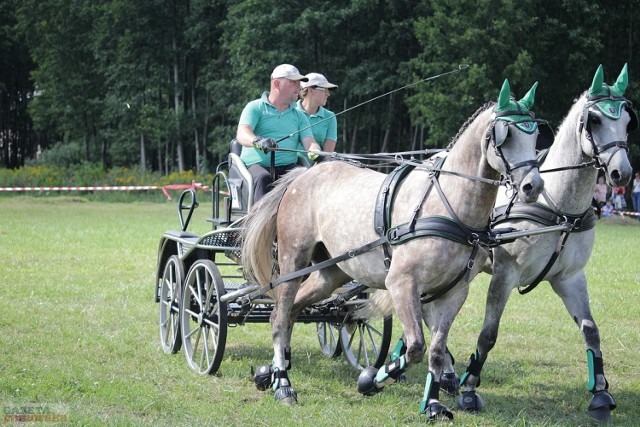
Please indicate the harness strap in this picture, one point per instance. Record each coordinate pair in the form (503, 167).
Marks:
(554, 256)
(324, 264)
(466, 270)
(546, 216)
(436, 226)
(384, 202)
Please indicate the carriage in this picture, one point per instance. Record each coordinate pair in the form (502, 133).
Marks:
(201, 290)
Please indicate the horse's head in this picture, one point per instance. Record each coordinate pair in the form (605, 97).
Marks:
(607, 118)
(512, 134)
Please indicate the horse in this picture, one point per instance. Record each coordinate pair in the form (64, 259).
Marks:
(324, 216)
(594, 133)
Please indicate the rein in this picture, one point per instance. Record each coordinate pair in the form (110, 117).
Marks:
(460, 67)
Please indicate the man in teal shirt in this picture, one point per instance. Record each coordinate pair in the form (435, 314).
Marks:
(273, 121)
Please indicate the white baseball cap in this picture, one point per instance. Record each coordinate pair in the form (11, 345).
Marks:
(318, 80)
(287, 71)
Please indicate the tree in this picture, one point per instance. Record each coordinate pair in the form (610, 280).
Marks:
(17, 138)
(70, 86)
(501, 39)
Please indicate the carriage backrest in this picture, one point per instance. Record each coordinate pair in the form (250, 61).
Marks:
(240, 181)
(235, 147)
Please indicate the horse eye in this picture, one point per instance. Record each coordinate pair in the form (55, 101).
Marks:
(594, 120)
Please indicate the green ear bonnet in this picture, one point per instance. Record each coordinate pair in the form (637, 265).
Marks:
(609, 99)
(517, 112)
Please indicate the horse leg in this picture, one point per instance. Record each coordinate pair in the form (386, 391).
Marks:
(407, 307)
(449, 381)
(497, 297)
(573, 292)
(439, 316)
(318, 286)
(281, 330)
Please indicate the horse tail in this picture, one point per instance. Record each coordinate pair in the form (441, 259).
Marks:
(259, 229)
(379, 304)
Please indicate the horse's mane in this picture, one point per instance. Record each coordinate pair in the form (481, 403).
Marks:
(567, 125)
(468, 122)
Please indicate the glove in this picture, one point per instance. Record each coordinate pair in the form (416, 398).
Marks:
(310, 154)
(264, 144)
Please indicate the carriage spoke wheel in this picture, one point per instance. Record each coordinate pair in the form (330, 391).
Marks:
(172, 278)
(203, 317)
(329, 338)
(366, 342)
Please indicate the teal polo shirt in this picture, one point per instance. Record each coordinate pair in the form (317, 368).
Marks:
(268, 122)
(324, 124)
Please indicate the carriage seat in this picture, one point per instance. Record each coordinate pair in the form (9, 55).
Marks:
(241, 182)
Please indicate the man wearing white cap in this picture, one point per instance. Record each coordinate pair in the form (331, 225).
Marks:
(314, 94)
(269, 119)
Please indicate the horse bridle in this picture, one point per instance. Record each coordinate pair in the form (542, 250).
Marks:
(497, 138)
(619, 144)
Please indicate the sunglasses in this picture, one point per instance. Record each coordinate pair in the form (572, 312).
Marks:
(320, 89)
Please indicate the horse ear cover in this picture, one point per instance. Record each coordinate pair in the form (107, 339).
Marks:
(596, 84)
(527, 101)
(504, 97)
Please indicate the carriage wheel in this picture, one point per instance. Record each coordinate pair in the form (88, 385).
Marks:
(172, 278)
(366, 342)
(329, 338)
(203, 317)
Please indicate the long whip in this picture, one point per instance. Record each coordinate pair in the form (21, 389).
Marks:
(460, 67)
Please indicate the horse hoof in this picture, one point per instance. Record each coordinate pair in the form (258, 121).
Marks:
(450, 384)
(262, 377)
(366, 381)
(438, 412)
(286, 395)
(470, 401)
(600, 414)
(601, 405)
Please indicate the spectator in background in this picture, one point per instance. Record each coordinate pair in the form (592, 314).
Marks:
(607, 209)
(618, 199)
(600, 191)
(636, 193)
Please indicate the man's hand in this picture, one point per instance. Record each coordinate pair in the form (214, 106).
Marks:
(313, 147)
(264, 144)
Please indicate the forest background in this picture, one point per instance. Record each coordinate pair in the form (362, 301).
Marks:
(158, 85)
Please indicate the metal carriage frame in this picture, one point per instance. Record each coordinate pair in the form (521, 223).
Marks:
(201, 290)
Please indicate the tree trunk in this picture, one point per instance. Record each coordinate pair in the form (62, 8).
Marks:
(143, 154)
(176, 104)
(195, 128)
(205, 127)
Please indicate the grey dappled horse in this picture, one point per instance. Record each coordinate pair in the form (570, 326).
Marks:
(594, 132)
(328, 211)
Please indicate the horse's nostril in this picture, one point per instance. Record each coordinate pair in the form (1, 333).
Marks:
(615, 176)
(527, 188)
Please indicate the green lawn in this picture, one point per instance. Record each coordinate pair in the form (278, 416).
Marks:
(79, 336)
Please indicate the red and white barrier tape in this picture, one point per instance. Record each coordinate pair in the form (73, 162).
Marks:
(625, 213)
(164, 188)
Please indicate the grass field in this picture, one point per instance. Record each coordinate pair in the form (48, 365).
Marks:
(79, 336)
